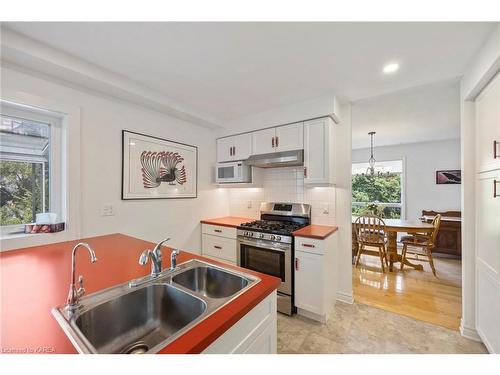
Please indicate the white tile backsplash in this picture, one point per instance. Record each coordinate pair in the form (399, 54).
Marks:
(284, 185)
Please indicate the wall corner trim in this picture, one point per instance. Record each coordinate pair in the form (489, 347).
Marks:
(469, 332)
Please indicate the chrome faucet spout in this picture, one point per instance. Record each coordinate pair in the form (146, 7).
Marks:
(75, 294)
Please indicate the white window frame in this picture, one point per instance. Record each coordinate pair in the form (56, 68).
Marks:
(56, 154)
(403, 182)
(64, 164)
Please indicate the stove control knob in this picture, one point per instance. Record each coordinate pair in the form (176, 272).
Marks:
(278, 238)
(246, 234)
(272, 237)
(261, 235)
(250, 234)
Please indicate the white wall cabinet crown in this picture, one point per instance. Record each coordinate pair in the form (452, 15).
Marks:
(278, 139)
(319, 152)
(237, 147)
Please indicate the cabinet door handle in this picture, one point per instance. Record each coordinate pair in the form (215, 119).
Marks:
(495, 183)
(218, 247)
(218, 230)
(234, 150)
(230, 151)
(272, 142)
(496, 154)
(305, 171)
(308, 245)
(296, 264)
(277, 141)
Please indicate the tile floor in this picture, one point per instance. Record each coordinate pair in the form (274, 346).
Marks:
(361, 329)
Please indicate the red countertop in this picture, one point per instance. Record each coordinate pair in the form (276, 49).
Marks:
(34, 280)
(319, 232)
(228, 221)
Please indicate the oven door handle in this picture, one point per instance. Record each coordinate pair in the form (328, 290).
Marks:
(262, 245)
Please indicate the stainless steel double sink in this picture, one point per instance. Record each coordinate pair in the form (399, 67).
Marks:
(144, 319)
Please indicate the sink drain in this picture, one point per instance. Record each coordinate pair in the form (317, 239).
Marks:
(138, 347)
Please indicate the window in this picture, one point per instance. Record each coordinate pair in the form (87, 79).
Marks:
(381, 194)
(27, 161)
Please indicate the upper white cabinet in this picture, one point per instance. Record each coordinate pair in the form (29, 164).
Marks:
(290, 137)
(488, 127)
(263, 141)
(238, 147)
(282, 138)
(319, 152)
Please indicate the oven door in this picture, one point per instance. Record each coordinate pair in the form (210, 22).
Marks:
(269, 258)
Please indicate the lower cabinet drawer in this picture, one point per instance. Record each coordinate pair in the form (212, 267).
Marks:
(309, 245)
(219, 247)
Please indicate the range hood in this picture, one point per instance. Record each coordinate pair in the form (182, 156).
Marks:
(277, 159)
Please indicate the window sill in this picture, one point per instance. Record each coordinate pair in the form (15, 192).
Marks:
(17, 241)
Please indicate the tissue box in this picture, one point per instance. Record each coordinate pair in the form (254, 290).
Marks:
(43, 228)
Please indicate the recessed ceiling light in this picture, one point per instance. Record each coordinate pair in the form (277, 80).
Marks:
(391, 68)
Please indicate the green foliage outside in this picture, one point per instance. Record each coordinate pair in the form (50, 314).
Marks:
(376, 191)
(20, 192)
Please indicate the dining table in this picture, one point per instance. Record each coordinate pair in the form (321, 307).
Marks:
(393, 227)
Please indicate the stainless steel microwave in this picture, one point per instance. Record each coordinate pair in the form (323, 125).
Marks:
(233, 172)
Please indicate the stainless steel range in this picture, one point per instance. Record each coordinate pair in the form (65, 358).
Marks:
(266, 245)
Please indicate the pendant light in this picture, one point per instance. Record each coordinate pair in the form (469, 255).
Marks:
(371, 162)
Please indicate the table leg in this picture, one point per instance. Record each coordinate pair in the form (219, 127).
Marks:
(394, 257)
(392, 249)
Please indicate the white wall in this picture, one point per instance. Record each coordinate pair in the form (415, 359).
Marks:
(421, 161)
(102, 120)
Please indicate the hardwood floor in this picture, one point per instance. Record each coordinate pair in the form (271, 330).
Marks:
(417, 294)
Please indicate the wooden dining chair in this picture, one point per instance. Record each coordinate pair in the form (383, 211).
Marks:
(371, 232)
(421, 245)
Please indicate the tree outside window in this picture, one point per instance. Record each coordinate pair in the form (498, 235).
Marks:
(380, 194)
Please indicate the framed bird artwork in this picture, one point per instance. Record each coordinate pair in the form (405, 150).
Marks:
(157, 168)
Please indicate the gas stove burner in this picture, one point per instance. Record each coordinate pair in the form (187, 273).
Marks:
(272, 226)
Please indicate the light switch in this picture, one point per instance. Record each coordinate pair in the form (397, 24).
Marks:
(107, 210)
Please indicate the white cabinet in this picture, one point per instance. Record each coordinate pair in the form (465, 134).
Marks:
(219, 242)
(488, 127)
(488, 258)
(290, 137)
(225, 149)
(282, 138)
(319, 152)
(309, 282)
(315, 276)
(255, 333)
(263, 141)
(238, 147)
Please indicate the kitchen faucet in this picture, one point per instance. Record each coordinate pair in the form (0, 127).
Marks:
(75, 294)
(155, 256)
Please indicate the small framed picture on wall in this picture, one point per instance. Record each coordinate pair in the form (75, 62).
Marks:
(452, 176)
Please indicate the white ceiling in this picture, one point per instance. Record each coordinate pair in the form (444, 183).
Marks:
(424, 113)
(231, 70)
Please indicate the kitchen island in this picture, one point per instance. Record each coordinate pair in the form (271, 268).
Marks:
(36, 279)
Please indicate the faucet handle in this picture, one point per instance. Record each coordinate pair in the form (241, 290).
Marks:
(143, 259)
(81, 290)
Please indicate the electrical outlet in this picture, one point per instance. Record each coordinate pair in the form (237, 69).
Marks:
(107, 210)
(326, 209)
(249, 204)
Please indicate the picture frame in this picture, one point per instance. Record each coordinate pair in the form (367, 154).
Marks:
(157, 168)
(449, 177)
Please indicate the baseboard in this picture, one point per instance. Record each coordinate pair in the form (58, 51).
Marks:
(311, 315)
(469, 332)
(345, 297)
